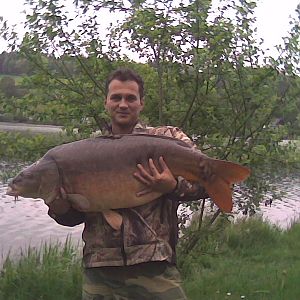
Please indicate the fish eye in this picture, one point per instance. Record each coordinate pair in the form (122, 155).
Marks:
(28, 175)
(17, 179)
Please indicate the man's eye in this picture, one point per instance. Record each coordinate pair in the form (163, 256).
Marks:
(18, 179)
(131, 98)
(115, 98)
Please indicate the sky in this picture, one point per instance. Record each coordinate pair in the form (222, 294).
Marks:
(272, 19)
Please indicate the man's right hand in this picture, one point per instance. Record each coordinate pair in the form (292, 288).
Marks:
(161, 181)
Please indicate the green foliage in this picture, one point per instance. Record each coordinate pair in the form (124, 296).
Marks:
(27, 147)
(203, 72)
(14, 63)
(243, 235)
(253, 259)
(7, 86)
(289, 60)
(207, 240)
(51, 272)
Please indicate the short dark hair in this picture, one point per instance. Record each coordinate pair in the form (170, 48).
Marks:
(124, 74)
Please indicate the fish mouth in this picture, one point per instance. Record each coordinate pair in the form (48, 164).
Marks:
(12, 192)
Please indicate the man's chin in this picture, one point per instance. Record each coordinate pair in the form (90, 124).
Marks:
(125, 121)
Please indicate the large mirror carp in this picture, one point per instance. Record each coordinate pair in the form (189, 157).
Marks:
(97, 173)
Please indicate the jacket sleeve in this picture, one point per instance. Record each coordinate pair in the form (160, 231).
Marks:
(62, 212)
(185, 191)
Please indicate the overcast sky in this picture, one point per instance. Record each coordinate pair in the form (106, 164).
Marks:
(272, 18)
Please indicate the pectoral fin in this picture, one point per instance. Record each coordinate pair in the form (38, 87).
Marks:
(113, 218)
(50, 198)
(79, 202)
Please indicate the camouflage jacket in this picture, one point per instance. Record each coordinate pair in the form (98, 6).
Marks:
(148, 232)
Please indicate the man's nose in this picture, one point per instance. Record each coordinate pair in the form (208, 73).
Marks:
(123, 103)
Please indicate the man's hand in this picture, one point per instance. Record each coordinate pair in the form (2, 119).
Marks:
(163, 182)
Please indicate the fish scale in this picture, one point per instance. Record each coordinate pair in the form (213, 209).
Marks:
(97, 173)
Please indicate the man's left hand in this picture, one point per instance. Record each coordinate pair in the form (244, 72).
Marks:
(155, 181)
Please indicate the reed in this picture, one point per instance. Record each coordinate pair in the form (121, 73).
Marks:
(51, 272)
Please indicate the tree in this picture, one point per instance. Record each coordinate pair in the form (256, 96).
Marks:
(205, 73)
(14, 63)
(8, 86)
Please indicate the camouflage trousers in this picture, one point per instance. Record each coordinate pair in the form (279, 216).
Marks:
(152, 280)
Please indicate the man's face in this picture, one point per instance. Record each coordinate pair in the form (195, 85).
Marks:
(123, 103)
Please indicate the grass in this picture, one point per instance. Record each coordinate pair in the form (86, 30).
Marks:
(246, 260)
(50, 273)
(253, 261)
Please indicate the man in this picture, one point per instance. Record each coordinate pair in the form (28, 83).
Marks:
(136, 261)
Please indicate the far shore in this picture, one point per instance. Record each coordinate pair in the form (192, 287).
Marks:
(27, 127)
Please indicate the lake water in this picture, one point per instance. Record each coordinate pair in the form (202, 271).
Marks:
(25, 222)
(284, 212)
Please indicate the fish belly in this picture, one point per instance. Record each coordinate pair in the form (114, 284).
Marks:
(102, 170)
(108, 190)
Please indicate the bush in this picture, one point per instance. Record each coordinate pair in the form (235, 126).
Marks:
(28, 147)
(246, 236)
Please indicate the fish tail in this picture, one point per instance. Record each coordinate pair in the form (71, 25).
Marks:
(219, 185)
